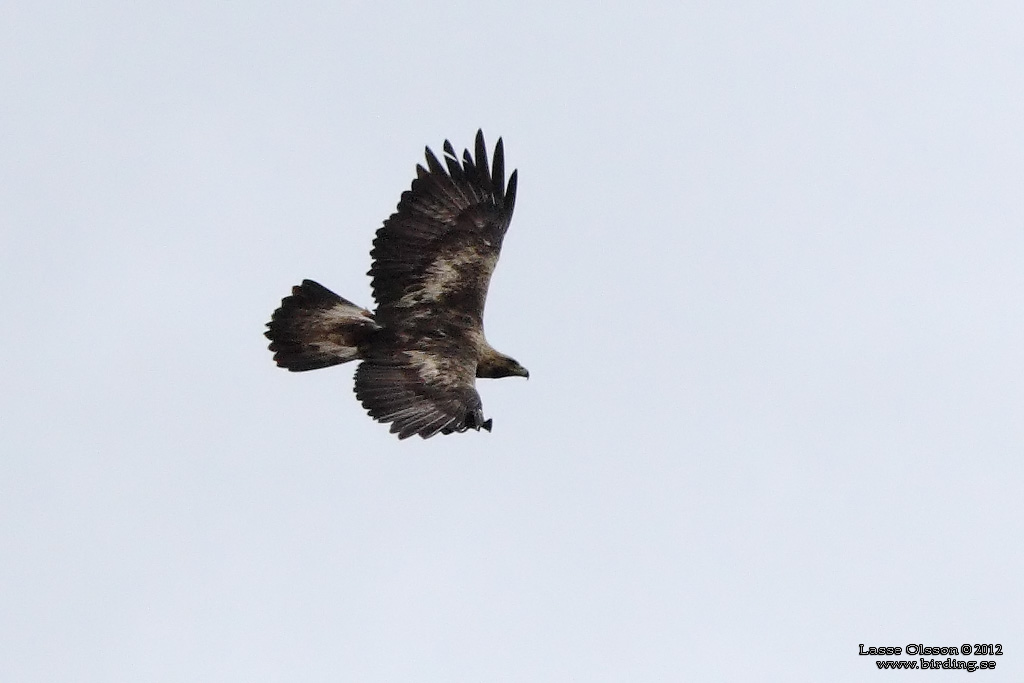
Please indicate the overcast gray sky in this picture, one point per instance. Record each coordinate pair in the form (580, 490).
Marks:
(765, 271)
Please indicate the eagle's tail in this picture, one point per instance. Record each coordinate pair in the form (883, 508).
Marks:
(315, 328)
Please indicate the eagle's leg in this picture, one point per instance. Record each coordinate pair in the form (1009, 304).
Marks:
(475, 420)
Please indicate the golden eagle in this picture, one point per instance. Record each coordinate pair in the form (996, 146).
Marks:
(424, 347)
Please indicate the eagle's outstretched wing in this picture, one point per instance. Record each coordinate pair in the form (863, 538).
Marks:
(435, 255)
(421, 393)
(432, 264)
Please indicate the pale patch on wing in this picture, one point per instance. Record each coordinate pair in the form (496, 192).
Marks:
(450, 272)
(440, 277)
(426, 365)
(471, 257)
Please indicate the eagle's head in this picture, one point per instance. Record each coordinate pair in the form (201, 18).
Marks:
(496, 365)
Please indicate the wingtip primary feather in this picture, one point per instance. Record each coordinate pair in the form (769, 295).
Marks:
(432, 163)
(510, 191)
(498, 169)
(481, 161)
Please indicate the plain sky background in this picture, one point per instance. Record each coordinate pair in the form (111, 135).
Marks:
(765, 270)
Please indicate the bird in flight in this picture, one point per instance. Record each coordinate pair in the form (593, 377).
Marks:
(423, 347)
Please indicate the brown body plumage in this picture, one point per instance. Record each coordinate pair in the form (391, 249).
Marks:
(424, 346)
